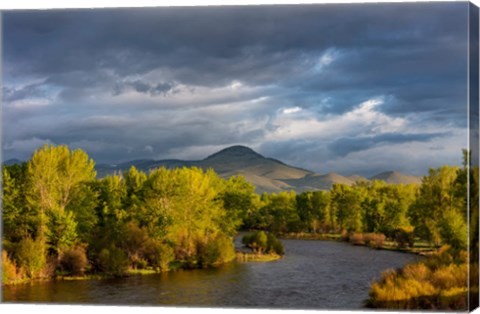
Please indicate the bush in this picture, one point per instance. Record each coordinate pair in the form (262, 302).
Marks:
(74, 261)
(356, 239)
(10, 273)
(437, 282)
(261, 242)
(403, 238)
(274, 245)
(345, 236)
(113, 261)
(257, 241)
(159, 254)
(215, 251)
(417, 271)
(226, 249)
(451, 276)
(374, 240)
(31, 256)
(141, 264)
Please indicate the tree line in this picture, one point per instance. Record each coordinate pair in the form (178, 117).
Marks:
(435, 211)
(58, 218)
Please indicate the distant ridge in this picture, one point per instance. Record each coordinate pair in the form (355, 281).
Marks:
(267, 174)
(13, 161)
(396, 177)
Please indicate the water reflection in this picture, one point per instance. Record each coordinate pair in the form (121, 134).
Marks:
(313, 274)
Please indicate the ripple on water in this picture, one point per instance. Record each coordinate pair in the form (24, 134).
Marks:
(313, 275)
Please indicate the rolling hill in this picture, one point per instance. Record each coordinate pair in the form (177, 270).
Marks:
(397, 178)
(267, 174)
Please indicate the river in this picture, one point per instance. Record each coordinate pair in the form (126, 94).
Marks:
(312, 275)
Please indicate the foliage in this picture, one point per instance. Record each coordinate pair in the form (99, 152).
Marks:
(113, 261)
(159, 255)
(215, 251)
(54, 204)
(439, 282)
(74, 261)
(356, 238)
(31, 256)
(403, 238)
(260, 242)
(374, 240)
(10, 272)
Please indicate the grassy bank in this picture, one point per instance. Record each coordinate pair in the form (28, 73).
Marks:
(257, 257)
(438, 282)
(372, 240)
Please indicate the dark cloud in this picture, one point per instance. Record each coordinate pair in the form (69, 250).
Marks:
(119, 80)
(29, 91)
(162, 88)
(347, 145)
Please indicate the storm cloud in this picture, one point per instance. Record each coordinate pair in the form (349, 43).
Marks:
(352, 88)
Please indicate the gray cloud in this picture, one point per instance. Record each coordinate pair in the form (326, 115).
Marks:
(344, 146)
(116, 81)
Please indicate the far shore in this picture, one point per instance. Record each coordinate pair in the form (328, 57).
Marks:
(419, 248)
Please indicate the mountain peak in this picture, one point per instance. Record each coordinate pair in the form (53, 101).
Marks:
(235, 151)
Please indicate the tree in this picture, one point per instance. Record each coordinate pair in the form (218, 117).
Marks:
(312, 208)
(52, 174)
(239, 202)
(436, 203)
(19, 220)
(346, 201)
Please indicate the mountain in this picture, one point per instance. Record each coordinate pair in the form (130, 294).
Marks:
(316, 181)
(13, 161)
(357, 178)
(395, 177)
(267, 174)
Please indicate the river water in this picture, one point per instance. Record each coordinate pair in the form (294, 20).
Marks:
(312, 275)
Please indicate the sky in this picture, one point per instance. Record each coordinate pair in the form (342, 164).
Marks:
(349, 88)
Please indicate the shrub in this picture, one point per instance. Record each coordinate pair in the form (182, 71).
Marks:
(113, 261)
(215, 251)
(207, 253)
(74, 261)
(226, 249)
(159, 254)
(274, 245)
(403, 238)
(9, 269)
(437, 282)
(31, 256)
(345, 236)
(416, 271)
(260, 241)
(356, 239)
(141, 264)
(451, 276)
(393, 287)
(374, 240)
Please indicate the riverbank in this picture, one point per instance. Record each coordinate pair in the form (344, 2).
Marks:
(237, 284)
(257, 257)
(419, 247)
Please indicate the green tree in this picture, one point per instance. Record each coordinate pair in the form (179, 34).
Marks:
(346, 200)
(19, 220)
(52, 175)
(239, 201)
(436, 202)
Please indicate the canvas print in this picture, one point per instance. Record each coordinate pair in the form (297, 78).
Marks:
(320, 156)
